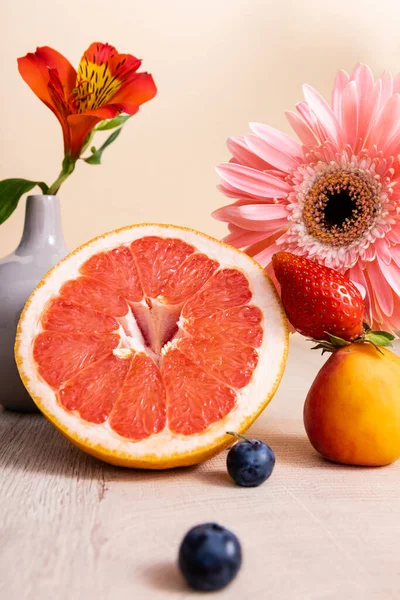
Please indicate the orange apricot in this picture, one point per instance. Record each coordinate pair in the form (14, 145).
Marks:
(352, 411)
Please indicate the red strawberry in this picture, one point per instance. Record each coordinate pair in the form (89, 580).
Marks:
(318, 300)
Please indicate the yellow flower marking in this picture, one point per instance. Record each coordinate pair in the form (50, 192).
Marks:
(95, 85)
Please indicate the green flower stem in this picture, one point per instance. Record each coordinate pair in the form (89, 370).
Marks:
(68, 167)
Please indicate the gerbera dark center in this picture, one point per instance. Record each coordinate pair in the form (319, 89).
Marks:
(340, 207)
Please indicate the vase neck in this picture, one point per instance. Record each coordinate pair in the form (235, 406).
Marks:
(42, 226)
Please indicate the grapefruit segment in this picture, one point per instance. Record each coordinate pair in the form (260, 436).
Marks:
(240, 322)
(140, 410)
(60, 355)
(227, 360)
(195, 400)
(225, 289)
(117, 269)
(93, 391)
(157, 259)
(68, 317)
(188, 278)
(147, 344)
(95, 295)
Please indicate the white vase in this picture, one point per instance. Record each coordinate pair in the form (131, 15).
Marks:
(41, 247)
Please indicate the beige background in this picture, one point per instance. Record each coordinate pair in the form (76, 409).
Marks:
(218, 64)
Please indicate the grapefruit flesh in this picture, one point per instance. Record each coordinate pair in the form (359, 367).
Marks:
(146, 345)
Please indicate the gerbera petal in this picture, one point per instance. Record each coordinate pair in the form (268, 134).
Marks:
(387, 86)
(239, 150)
(396, 84)
(387, 123)
(341, 80)
(277, 138)
(324, 114)
(269, 153)
(356, 275)
(264, 257)
(242, 237)
(383, 250)
(266, 242)
(391, 272)
(349, 114)
(394, 238)
(395, 253)
(395, 318)
(302, 130)
(232, 192)
(254, 212)
(371, 114)
(222, 213)
(392, 147)
(264, 250)
(364, 79)
(381, 289)
(311, 120)
(268, 224)
(253, 181)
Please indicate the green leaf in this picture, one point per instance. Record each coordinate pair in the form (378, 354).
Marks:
(11, 191)
(385, 334)
(95, 158)
(337, 341)
(379, 338)
(112, 123)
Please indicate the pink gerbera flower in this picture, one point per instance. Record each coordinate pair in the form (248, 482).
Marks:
(333, 197)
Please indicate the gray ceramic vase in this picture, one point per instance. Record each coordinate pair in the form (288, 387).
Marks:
(41, 247)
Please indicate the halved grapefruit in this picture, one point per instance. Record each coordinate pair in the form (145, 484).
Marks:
(145, 345)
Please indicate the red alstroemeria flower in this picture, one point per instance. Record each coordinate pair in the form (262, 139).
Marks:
(106, 84)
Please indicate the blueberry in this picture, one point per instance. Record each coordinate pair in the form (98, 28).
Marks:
(209, 557)
(250, 462)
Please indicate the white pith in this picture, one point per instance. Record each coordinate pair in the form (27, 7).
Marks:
(250, 399)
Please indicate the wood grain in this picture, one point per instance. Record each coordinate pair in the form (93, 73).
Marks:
(73, 528)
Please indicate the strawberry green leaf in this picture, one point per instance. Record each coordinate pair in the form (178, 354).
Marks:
(378, 339)
(95, 158)
(11, 191)
(337, 341)
(112, 123)
(325, 347)
(385, 334)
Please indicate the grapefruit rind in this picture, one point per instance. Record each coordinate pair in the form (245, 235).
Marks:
(165, 449)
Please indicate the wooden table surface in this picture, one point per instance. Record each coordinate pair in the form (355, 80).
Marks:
(73, 528)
